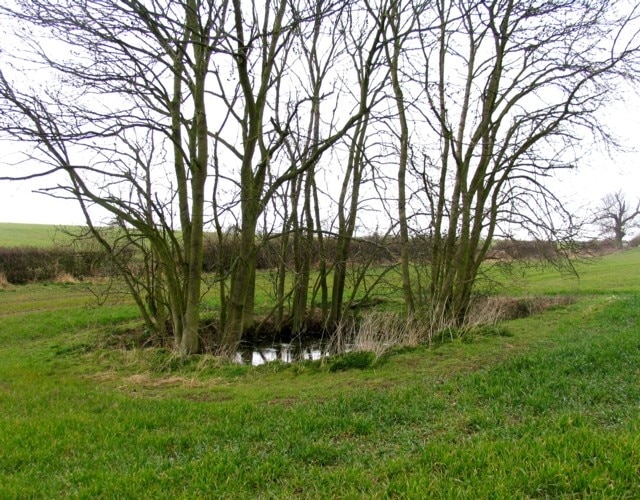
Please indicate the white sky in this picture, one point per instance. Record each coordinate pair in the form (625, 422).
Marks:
(600, 174)
(596, 176)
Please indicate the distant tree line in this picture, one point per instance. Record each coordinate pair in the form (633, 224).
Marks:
(25, 264)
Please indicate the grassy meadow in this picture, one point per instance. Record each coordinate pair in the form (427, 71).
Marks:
(547, 406)
(30, 235)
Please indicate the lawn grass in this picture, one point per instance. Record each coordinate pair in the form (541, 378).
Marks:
(553, 410)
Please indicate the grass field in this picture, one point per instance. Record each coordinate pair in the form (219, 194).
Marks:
(32, 235)
(550, 410)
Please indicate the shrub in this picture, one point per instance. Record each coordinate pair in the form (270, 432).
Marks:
(634, 242)
(22, 265)
(491, 310)
(522, 249)
(597, 247)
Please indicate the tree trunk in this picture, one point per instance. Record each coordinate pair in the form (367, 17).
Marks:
(393, 61)
(242, 291)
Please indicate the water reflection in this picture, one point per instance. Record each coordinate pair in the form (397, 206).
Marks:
(286, 353)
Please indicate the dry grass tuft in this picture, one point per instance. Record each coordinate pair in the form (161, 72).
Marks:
(491, 310)
(377, 333)
(147, 380)
(4, 283)
(66, 278)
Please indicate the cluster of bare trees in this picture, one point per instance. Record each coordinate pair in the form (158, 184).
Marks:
(307, 119)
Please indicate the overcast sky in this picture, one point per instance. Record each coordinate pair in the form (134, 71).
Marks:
(582, 188)
(596, 176)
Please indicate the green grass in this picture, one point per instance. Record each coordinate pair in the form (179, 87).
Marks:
(551, 411)
(614, 273)
(30, 235)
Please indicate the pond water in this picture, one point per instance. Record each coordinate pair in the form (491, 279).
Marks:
(285, 352)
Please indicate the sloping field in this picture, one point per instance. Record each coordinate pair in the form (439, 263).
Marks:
(33, 235)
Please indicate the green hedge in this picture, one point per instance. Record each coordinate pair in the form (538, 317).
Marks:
(21, 265)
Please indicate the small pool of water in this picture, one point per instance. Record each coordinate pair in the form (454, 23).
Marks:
(287, 353)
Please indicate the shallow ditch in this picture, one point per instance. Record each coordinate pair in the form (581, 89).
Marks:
(267, 343)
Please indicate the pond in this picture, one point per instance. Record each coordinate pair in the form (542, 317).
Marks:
(285, 352)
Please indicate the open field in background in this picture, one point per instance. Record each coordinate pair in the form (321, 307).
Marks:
(32, 235)
(594, 276)
(548, 406)
(614, 273)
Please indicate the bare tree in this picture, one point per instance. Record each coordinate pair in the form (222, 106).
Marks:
(509, 88)
(483, 101)
(266, 63)
(259, 47)
(366, 48)
(399, 20)
(124, 116)
(302, 146)
(615, 216)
